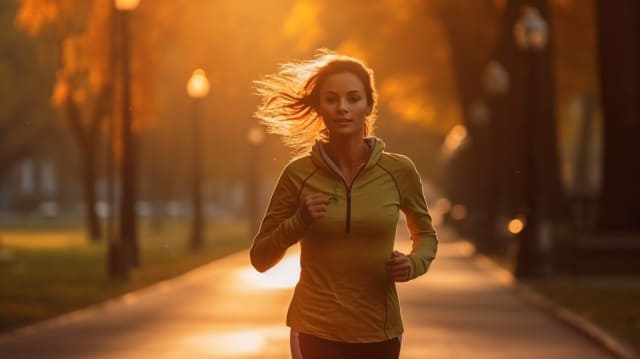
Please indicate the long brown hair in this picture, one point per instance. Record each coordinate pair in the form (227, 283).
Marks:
(290, 98)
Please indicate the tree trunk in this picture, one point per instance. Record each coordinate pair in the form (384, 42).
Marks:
(619, 54)
(90, 197)
(468, 170)
(87, 143)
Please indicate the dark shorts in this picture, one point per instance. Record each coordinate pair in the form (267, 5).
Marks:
(305, 346)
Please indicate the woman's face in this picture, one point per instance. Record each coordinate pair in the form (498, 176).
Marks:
(343, 105)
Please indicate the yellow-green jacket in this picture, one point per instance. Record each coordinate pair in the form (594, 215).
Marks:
(344, 292)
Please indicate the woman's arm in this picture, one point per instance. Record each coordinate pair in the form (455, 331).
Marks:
(423, 235)
(282, 226)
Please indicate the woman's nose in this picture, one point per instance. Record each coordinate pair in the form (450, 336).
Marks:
(342, 105)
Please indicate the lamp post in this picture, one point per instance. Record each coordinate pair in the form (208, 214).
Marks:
(530, 32)
(256, 138)
(197, 89)
(124, 253)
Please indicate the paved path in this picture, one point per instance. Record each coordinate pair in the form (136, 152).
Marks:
(227, 310)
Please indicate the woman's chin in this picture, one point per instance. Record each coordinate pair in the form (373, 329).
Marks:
(345, 132)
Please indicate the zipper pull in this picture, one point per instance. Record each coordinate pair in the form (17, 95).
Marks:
(334, 195)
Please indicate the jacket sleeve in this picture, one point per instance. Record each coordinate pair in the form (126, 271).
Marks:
(423, 235)
(283, 225)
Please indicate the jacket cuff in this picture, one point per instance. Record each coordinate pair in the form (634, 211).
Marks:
(419, 265)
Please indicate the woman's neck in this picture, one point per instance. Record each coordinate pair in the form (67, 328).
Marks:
(349, 154)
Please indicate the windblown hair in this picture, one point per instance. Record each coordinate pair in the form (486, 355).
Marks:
(290, 98)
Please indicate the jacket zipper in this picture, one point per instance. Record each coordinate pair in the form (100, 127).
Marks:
(348, 193)
(347, 187)
(348, 224)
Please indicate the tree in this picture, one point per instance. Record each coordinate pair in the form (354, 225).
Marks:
(619, 55)
(474, 174)
(24, 110)
(82, 88)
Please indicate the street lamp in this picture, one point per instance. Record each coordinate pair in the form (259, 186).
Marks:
(256, 138)
(197, 89)
(531, 35)
(127, 5)
(531, 30)
(124, 254)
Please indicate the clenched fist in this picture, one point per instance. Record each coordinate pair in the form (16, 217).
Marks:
(314, 206)
(399, 267)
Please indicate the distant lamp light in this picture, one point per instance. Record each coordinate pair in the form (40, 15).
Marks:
(496, 80)
(455, 139)
(516, 225)
(458, 212)
(127, 5)
(443, 205)
(531, 30)
(198, 84)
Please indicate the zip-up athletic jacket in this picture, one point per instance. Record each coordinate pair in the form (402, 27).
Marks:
(344, 292)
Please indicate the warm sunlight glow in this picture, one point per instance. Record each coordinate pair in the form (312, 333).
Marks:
(127, 5)
(515, 226)
(302, 24)
(240, 343)
(405, 97)
(284, 275)
(198, 84)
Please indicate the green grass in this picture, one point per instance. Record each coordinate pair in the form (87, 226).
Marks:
(613, 304)
(54, 269)
(610, 303)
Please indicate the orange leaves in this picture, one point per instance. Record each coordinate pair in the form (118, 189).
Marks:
(95, 43)
(34, 15)
(84, 39)
(60, 93)
(406, 97)
(302, 24)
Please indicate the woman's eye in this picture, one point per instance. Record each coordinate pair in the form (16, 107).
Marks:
(354, 98)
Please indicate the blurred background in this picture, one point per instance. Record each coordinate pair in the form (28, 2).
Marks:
(127, 136)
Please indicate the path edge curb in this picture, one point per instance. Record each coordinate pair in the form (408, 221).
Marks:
(584, 326)
(108, 304)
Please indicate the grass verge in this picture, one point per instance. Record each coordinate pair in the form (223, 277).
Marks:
(611, 303)
(48, 269)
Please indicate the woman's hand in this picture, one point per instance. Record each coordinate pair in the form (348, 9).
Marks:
(314, 206)
(399, 267)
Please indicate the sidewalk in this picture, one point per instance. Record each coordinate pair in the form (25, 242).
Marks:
(227, 310)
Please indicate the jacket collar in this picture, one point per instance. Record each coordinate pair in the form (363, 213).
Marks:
(321, 160)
